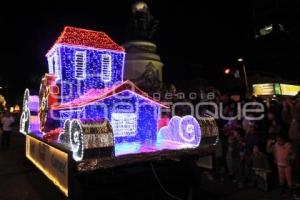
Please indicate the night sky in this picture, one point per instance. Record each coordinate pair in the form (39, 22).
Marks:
(198, 38)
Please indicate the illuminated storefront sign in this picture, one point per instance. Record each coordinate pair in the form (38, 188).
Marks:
(275, 89)
(51, 161)
(263, 89)
(290, 90)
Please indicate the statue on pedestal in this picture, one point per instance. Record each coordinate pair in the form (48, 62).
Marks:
(143, 65)
(144, 24)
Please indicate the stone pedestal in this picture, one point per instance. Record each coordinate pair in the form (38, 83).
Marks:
(142, 61)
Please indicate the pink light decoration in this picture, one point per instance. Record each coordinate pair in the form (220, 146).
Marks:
(94, 95)
(127, 148)
(86, 38)
(53, 134)
(163, 121)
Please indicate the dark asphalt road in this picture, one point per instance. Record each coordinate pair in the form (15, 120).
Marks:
(20, 180)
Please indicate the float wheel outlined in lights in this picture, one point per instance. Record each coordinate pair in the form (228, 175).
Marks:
(25, 117)
(76, 140)
(65, 136)
(43, 108)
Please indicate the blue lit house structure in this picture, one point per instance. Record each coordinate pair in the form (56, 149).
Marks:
(88, 70)
(86, 117)
(132, 114)
(83, 59)
(84, 99)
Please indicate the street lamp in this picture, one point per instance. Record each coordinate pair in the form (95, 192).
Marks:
(241, 60)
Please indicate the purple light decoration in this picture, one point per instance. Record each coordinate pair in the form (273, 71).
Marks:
(29, 113)
(182, 130)
(34, 124)
(33, 103)
(34, 108)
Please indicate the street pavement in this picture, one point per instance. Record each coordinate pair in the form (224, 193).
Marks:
(20, 180)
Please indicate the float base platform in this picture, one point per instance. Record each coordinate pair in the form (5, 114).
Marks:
(55, 160)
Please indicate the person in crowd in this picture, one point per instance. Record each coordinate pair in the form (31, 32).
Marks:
(233, 154)
(247, 123)
(261, 168)
(284, 157)
(251, 139)
(291, 111)
(219, 159)
(242, 160)
(294, 135)
(274, 127)
(286, 113)
(7, 121)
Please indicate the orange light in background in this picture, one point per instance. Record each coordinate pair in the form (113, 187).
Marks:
(227, 71)
(17, 108)
(11, 109)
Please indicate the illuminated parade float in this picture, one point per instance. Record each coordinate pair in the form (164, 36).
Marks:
(87, 118)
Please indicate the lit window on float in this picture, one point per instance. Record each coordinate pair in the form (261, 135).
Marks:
(106, 68)
(124, 124)
(80, 65)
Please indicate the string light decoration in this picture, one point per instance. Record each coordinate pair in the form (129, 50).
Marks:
(64, 137)
(80, 65)
(44, 103)
(94, 95)
(209, 127)
(72, 88)
(124, 124)
(134, 117)
(85, 107)
(76, 140)
(98, 133)
(88, 138)
(25, 116)
(183, 130)
(87, 59)
(53, 134)
(106, 68)
(86, 38)
(102, 115)
(78, 113)
(28, 119)
(124, 100)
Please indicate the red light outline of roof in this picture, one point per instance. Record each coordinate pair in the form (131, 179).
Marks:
(106, 93)
(86, 38)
